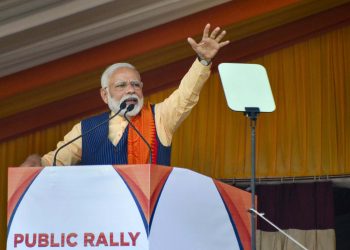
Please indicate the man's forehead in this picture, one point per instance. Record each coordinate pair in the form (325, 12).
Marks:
(125, 71)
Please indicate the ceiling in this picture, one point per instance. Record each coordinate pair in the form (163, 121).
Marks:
(33, 32)
(52, 52)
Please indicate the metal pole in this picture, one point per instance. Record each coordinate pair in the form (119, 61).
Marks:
(252, 183)
(252, 113)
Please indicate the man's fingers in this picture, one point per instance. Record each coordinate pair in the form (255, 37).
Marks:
(215, 32)
(192, 42)
(206, 31)
(222, 44)
(32, 161)
(220, 36)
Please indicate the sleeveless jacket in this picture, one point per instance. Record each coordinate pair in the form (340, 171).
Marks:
(97, 149)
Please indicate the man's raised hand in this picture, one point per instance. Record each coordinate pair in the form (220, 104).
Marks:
(209, 46)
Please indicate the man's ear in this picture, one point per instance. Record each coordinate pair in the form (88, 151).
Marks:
(104, 95)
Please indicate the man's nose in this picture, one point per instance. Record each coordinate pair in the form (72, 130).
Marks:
(130, 88)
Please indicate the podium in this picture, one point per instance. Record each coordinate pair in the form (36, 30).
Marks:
(124, 207)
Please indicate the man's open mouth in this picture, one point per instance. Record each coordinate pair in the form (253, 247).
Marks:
(131, 100)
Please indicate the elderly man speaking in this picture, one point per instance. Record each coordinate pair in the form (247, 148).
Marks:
(115, 142)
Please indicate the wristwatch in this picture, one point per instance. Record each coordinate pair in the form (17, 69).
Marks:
(203, 61)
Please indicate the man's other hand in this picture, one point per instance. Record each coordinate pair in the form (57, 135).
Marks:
(32, 161)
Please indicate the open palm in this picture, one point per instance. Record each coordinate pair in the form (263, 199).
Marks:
(209, 46)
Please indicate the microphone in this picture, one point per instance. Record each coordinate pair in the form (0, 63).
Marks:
(128, 109)
(121, 107)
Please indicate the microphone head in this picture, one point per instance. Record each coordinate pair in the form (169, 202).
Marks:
(122, 105)
(130, 107)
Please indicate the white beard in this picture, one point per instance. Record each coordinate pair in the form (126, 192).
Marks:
(115, 105)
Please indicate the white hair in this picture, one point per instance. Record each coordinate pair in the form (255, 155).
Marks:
(109, 71)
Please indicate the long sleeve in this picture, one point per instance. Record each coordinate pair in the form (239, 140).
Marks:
(170, 113)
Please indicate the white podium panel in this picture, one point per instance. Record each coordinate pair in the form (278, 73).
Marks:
(128, 207)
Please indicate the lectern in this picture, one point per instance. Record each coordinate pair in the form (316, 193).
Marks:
(124, 207)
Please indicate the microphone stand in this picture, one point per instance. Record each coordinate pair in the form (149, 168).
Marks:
(128, 109)
(121, 107)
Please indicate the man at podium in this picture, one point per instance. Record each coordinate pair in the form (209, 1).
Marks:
(115, 141)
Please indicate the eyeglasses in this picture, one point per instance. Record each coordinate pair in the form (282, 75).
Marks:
(122, 85)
